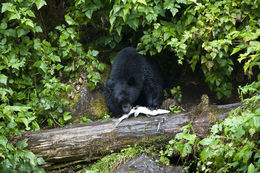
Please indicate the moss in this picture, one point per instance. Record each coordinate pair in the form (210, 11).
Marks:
(210, 112)
(146, 142)
(111, 162)
(73, 101)
(214, 113)
(98, 106)
(88, 104)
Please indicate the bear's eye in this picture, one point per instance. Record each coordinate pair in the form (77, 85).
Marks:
(131, 81)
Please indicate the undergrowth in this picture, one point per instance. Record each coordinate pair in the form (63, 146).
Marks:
(232, 146)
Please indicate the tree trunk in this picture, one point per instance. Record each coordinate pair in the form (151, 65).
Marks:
(89, 141)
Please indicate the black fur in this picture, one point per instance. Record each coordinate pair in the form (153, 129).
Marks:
(134, 80)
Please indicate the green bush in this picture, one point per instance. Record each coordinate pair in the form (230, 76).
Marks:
(31, 66)
(232, 146)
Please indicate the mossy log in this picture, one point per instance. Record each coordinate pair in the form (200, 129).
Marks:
(89, 141)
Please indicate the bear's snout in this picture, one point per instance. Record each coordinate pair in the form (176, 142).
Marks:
(126, 108)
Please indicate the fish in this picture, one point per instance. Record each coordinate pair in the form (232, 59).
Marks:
(141, 110)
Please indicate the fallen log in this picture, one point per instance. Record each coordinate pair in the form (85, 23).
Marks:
(90, 141)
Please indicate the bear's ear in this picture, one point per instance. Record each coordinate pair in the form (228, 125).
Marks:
(109, 82)
(131, 81)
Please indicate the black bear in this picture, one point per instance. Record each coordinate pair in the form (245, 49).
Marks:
(134, 80)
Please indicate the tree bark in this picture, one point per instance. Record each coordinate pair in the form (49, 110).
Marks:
(89, 141)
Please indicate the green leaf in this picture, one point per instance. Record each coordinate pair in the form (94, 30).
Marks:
(174, 11)
(92, 86)
(206, 141)
(235, 50)
(15, 15)
(186, 150)
(251, 168)
(25, 121)
(2, 156)
(3, 25)
(94, 53)
(69, 20)
(29, 155)
(30, 13)
(142, 2)
(40, 161)
(38, 29)
(61, 120)
(29, 23)
(67, 116)
(3, 140)
(50, 122)
(101, 67)
(118, 29)
(7, 7)
(133, 23)
(10, 32)
(205, 154)
(21, 144)
(238, 48)
(43, 66)
(35, 126)
(213, 55)
(40, 3)
(216, 128)
(3, 79)
(188, 136)
(16, 108)
(89, 13)
(37, 44)
(112, 20)
(12, 125)
(58, 67)
(178, 146)
(239, 132)
(55, 58)
(166, 36)
(182, 1)
(21, 32)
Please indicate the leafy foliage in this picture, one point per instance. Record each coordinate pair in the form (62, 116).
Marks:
(182, 143)
(30, 80)
(176, 92)
(200, 32)
(17, 158)
(233, 145)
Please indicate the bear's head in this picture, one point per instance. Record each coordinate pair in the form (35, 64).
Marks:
(125, 92)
